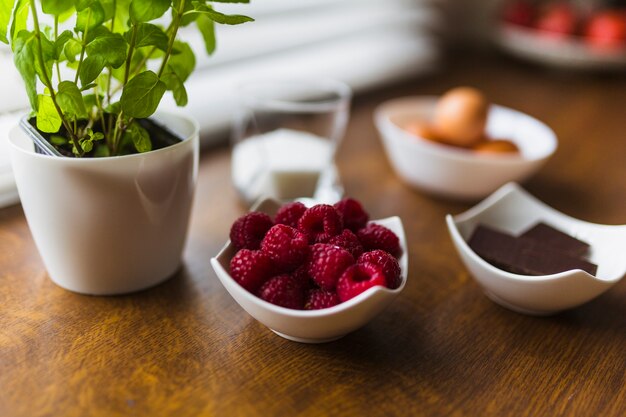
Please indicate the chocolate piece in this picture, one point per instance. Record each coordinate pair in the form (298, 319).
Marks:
(548, 235)
(523, 256)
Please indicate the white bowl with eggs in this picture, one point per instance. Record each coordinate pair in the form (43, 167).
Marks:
(455, 172)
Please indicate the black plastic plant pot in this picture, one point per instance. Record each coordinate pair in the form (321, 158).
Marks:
(160, 135)
(42, 146)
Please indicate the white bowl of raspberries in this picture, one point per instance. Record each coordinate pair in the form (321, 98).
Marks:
(313, 274)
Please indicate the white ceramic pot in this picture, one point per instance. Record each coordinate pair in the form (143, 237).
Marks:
(112, 225)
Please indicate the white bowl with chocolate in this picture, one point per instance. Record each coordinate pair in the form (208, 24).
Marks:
(458, 146)
(533, 259)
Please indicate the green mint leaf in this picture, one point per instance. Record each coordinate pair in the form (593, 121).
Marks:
(113, 108)
(86, 145)
(58, 140)
(23, 57)
(20, 18)
(110, 47)
(138, 56)
(70, 100)
(89, 17)
(71, 49)
(217, 17)
(60, 42)
(146, 10)
(139, 137)
(96, 33)
(6, 6)
(56, 7)
(176, 86)
(188, 14)
(48, 120)
(102, 151)
(142, 95)
(183, 62)
(91, 67)
(88, 87)
(207, 29)
(229, 1)
(149, 35)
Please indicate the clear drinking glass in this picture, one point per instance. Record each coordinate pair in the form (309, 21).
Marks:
(285, 135)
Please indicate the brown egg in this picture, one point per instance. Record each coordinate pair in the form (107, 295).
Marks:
(496, 146)
(421, 130)
(460, 116)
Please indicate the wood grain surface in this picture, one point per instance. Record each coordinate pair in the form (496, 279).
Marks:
(185, 348)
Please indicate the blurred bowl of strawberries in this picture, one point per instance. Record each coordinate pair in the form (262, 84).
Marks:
(313, 273)
(581, 35)
(459, 146)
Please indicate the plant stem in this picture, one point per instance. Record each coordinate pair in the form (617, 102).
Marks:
(131, 48)
(110, 75)
(56, 36)
(100, 111)
(48, 83)
(83, 46)
(170, 46)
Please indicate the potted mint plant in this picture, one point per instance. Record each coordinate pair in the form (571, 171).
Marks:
(105, 179)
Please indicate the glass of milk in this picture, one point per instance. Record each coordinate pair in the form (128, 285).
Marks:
(284, 136)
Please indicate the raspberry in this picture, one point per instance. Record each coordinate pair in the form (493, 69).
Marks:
(349, 242)
(286, 246)
(320, 223)
(289, 214)
(318, 299)
(354, 217)
(326, 263)
(248, 231)
(301, 276)
(386, 262)
(284, 291)
(251, 268)
(359, 278)
(374, 236)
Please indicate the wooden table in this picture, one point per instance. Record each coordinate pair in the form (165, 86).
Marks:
(185, 348)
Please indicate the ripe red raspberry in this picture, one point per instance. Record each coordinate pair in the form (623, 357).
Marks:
(354, 217)
(374, 236)
(284, 291)
(301, 275)
(320, 223)
(359, 278)
(286, 246)
(326, 263)
(248, 231)
(349, 242)
(290, 213)
(386, 262)
(318, 299)
(251, 268)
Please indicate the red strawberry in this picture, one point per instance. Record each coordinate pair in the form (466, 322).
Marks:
(359, 278)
